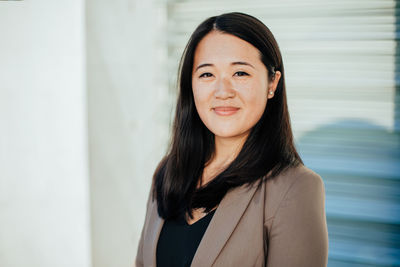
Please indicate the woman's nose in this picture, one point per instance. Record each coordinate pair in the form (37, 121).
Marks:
(224, 88)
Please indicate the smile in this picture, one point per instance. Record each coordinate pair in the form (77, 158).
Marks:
(225, 111)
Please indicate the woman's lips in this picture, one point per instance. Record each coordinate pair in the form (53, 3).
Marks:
(225, 111)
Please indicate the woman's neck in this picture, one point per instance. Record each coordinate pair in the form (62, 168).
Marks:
(226, 150)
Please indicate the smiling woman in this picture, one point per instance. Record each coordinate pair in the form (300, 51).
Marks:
(230, 91)
(232, 189)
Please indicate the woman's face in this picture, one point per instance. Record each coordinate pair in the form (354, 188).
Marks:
(230, 84)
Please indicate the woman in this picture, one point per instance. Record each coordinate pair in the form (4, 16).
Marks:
(232, 189)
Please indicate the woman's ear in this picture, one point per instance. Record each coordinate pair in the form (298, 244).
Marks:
(273, 84)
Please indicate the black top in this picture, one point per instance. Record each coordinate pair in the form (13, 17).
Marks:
(178, 241)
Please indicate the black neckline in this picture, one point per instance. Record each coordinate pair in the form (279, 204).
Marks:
(199, 220)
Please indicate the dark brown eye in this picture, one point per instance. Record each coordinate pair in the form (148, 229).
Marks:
(241, 73)
(205, 74)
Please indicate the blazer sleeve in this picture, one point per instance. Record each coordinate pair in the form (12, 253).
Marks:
(139, 253)
(298, 234)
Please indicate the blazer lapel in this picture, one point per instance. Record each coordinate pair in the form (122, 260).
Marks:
(224, 221)
(221, 226)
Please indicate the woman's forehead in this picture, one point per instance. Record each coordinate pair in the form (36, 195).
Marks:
(217, 47)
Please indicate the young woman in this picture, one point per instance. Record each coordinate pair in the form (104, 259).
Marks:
(232, 189)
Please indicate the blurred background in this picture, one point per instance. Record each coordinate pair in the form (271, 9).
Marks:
(87, 94)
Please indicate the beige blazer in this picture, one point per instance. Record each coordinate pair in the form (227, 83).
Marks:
(282, 223)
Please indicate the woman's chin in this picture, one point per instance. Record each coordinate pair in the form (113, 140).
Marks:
(226, 133)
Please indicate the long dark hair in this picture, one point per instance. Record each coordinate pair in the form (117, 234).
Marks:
(268, 150)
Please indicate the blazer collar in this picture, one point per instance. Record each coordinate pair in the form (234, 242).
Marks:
(220, 228)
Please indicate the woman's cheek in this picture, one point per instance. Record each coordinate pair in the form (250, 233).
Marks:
(200, 98)
(255, 97)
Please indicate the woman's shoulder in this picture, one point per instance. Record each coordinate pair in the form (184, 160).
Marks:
(292, 175)
(294, 182)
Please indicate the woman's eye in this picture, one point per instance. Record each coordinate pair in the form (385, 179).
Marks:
(241, 73)
(206, 75)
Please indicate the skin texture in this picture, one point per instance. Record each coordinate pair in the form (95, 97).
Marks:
(224, 83)
(228, 71)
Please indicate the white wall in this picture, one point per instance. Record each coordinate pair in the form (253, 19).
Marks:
(44, 212)
(128, 120)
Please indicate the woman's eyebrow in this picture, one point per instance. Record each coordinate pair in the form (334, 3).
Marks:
(204, 65)
(233, 63)
(242, 63)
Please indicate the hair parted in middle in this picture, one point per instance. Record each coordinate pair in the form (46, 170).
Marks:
(268, 150)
